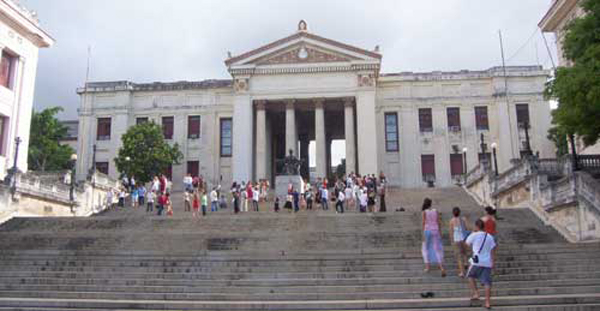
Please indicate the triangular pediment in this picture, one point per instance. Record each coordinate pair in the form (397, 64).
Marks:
(303, 48)
(302, 53)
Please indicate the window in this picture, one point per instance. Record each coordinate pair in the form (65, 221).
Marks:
(103, 130)
(453, 119)
(141, 120)
(425, 120)
(7, 68)
(102, 167)
(167, 127)
(428, 167)
(391, 131)
(193, 127)
(522, 115)
(456, 164)
(226, 127)
(169, 172)
(481, 118)
(193, 168)
(3, 132)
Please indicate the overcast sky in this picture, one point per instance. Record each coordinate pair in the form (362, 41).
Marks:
(171, 40)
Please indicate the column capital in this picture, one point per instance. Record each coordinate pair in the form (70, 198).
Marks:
(318, 102)
(260, 104)
(289, 103)
(348, 101)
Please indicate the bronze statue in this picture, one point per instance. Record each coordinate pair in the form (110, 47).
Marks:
(291, 165)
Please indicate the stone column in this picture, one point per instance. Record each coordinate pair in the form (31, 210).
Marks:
(291, 137)
(320, 161)
(349, 135)
(242, 159)
(261, 140)
(366, 132)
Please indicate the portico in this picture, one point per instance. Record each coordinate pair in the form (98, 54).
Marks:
(291, 124)
(299, 89)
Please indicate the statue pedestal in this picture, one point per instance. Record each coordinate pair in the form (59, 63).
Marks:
(283, 181)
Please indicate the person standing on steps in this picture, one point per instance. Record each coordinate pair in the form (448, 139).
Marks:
(382, 207)
(236, 197)
(482, 262)
(195, 203)
(255, 198)
(204, 202)
(339, 205)
(458, 235)
(308, 196)
(150, 204)
(214, 200)
(168, 204)
(324, 197)
(432, 249)
(187, 200)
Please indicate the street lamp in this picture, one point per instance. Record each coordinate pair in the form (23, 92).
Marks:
(494, 146)
(72, 188)
(464, 150)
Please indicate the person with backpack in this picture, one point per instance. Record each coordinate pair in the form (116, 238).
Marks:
(482, 261)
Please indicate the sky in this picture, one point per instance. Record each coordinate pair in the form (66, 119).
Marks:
(174, 40)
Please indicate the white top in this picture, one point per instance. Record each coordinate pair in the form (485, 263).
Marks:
(485, 256)
(324, 194)
(155, 185)
(213, 196)
(255, 195)
(348, 193)
(151, 197)
(363, 199)
(341, 197)
(187, 180)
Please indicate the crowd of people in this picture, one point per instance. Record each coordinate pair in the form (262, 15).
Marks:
(481, 238)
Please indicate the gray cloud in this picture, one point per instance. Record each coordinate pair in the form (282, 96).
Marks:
(170, 40)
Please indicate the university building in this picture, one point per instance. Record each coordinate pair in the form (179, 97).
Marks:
(21, 37)
(418, 128)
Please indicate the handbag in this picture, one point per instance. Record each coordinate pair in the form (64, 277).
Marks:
(475, 258)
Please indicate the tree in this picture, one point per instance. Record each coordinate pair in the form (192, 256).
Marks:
(577, 88)
(145, 153)
(560, 137)
(45, 150)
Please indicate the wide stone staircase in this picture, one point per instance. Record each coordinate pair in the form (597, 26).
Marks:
(312, 260)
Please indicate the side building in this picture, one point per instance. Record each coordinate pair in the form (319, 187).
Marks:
(417, 128)
(21, 37)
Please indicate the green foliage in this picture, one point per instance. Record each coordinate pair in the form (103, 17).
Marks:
(148, 152)
(340, 170)
(45, 151)
(577, 88)
(559, 137)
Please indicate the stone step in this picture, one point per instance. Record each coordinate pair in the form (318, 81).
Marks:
(404, 304)
(432, 285)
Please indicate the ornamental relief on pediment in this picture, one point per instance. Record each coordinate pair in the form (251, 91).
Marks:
(303, 54)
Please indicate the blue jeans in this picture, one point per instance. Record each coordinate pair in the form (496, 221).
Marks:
(214, 206)
(325, 204)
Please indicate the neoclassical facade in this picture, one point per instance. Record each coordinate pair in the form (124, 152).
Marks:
(415, 127)
(21, 37)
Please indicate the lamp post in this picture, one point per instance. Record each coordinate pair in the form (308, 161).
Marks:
(464, 150)
(72, 186)
(13, 171)
(527, 143)
(494, 146)
(574, 152)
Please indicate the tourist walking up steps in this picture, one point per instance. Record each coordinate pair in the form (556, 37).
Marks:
(187, 200)
(489, 222)
(195, 204)
(339, 205)
(432, 249)
(482, 262)
(324, 198)
(458, 235)
(204, 202)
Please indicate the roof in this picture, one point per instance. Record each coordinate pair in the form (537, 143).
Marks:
(26, 22)
(297, 35)
(111, 86)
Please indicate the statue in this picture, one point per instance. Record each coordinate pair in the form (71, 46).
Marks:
(291, 165)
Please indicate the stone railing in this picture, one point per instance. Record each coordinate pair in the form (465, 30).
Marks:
(47, 194)
(589, 162)
(565, 199)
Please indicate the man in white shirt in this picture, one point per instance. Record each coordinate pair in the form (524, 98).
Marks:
(482, 262)
(339, 205)
(214, 200)
(324, 198)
